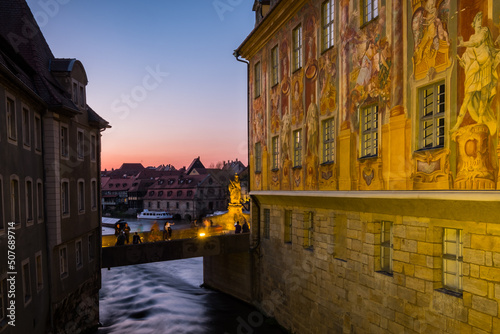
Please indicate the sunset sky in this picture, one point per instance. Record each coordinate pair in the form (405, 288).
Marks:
(161, 72)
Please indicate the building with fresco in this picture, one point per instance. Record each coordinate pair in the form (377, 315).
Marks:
(50, 217)
(374, 164)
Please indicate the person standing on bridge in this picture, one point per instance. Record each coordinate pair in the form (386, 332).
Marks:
(245, 228)
(136, 239)
(237, 227)
(167, 231)
(126, 230)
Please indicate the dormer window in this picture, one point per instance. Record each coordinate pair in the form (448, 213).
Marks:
(78, 94)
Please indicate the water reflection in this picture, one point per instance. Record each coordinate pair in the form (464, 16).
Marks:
(165, 298)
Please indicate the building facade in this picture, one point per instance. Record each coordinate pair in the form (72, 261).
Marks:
(50, 142)
(373, 164)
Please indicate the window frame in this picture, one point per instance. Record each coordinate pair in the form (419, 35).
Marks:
(288, 226)
(275, 63)
(327, 25)
(257, 79)
(297, 147)
(11, 118)
(30, 204)
(26, 126)
(457, 258)
(275, 143)
(372, 14)
(80, 189)
(64, 141)
(80, 144)
(369, 134)
(435, 117)
(297, 61)
(65, 198)
(93, 147)
(40, 212)
(328, 140)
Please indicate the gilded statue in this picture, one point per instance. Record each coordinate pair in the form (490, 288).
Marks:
(235, 190)
(480, 61)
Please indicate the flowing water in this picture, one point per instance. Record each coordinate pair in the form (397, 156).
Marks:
(166, 298)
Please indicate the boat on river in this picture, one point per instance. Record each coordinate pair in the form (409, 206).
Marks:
(146, 214)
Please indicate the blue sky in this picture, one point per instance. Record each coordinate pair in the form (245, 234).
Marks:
(161, 72)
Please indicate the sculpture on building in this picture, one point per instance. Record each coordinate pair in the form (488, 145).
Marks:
(480, 61)
(235, 190)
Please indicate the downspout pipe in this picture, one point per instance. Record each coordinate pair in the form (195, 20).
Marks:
(254, 200)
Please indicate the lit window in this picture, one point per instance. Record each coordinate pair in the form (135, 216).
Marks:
(65, 197)
(64, 142)
(432, 112)
(11, 120)
(386, 247)
(288, 226)
(267, 223)
(369, 131)
(275, 151)
(80, 144)
(308, 229)
(26, 128)
(63, 262)
(78, 254)
(452, 259)
(328, 140)
(369, 9)
(26, 281)
(297, 48)
(297, 148)
(327, 23)
(258, 158)
(257, 81)
(274, 66)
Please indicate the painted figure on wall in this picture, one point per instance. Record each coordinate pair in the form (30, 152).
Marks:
(480, 61)
(430, 36)
(275, 111)
(328, 90)
(297, 99)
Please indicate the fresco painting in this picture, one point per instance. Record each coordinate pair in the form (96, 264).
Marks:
(430, 37)
(327, 87)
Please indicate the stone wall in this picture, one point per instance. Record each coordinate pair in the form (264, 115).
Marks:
(340, 278)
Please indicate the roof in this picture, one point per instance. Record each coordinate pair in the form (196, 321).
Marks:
(26, 58)
(196, 166)
(118, 184)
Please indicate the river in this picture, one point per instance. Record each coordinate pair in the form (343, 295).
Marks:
(166, 298)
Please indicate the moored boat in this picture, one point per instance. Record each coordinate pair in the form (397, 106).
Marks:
(146, 214)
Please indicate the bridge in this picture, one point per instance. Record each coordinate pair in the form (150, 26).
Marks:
(116, 256)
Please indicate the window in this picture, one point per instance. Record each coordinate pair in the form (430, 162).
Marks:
(93, 195)
(81, 196)
(78, 254)
(257, 80)
(267, 223)
(11, 120)
(328, 127)
(39, 271)
(274, 66)
(91, 245)
(452, 259)
(432, 110)
(15, 205)
(80, 144)
(65, 197)
(369, 131)
(26, 281)
(63, 262)
(386, 247)
(29, 201)
(179, 193)
(38, 133)
(297, 148)
(64, 142)
(297, 48)
(258, 158)
(82, 96)
(369, 10)
(26, 127)
(39, 201)
(327, 24)
(308, 229)
(2, 216)
(187, 205)
(288, 226)
(93, 147)
(275, 147)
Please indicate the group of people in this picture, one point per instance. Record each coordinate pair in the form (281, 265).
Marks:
(241, 228)
(122, 234)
